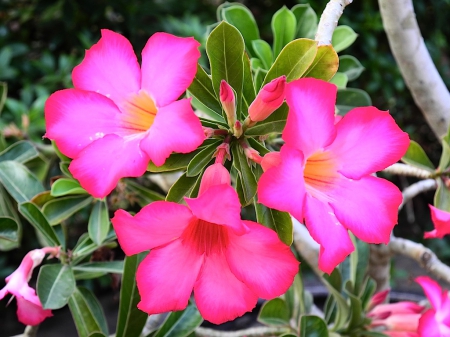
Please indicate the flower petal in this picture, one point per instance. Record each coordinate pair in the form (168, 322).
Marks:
(432, 290)
(99, 166)
(219, 295)
(428, 326)
(30, 311)
(284, 180)
(110, 68)
(154, 225)
(176, 129)
(75, 118)
(260, 260)
(169, 64)
(368, 140)
(368, 207)
(166, 277)
(324, 227)
(441, 221)
(215, 174)
(310, 122)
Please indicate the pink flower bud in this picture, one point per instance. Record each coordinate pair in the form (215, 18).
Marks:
(228, 102)
(253, 155)
(268, 99)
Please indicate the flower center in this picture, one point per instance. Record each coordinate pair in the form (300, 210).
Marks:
(139, 112)
(320, 174)
(205, 237)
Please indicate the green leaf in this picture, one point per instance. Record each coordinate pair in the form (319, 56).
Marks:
(182, 187)
(98, 226)
(180, 323)
(306, 21)
(85, 246)
(55, 285)
(442, 196)
(417, 157)
(350, 66)
(202, 159)
(313, 326)
(280, 222)
(340, 79)
(248, 89)
(243, 20)
(143, 195)
(260, 75)
(9, 229)
(350, 98)
(225, 47)
(367, 292)
(274, 123)
(64, 167)
(248, 180)
(356, 314)
(131, 320)
(264, 52)
(96, 269)
(60, 209)
(87, 313)
(343, 37)
(34, 216)
(324, 65)
(59, 153)
(3, 94)
(333, 283)
(20, 152)
(293, 61)
(284, 25)
(274, 312)
(66, 186)
(20, 183)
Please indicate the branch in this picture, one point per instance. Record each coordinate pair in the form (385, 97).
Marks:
(407, 170)
(251, 332)
(417, 68)
(329, 19)
(417, 188)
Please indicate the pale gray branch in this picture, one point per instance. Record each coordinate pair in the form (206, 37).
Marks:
(407, 170)
(251, 332)
(417, 188)
(329, 20)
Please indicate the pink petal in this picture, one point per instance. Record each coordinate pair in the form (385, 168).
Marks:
(30, 311)
(110, 68)
(215, 174)
(169, 65)
(262, 261)
(310, 122)
(269, 98)
(219, 205)
(219, 295)
(99, 166)
(368, 140)
(166, 277)
(176, 129)
(368, 207)
(441, 221)
(324, 227)
(432, 290)
(282, 187)
(154, 225)
(428, 326)
(75, 118)
(271, 159)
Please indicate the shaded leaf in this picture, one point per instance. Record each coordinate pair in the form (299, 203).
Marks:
(9, 229)
(350, 98)
(248, 89)
(55, 285)
(20, 183)
(306, 21)
(21, 152)
(60, 209)
(284, 25)
(350, 66)
(182, 187)
(34, 216)
(144, 195)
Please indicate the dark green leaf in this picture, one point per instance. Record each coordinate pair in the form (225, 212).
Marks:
(306, 21)
(260, 75)
(274, 123)
(64, 167)
(367, 292)
(264, 52)
(7, 210)
(66, 186)
(343, 37)
(98, 226)
(38, 220)
(55, 285)
(182, 187)
(274, 312)
(202, 159)
(9, 229)
(96, 269)
(85, 246)
(417, 157)
(60, 209)
(3, 94)
(333, 283)
(248, 179)
(180, 323)
(313, 326)
(248, 89)
(20, 152)
(350, 66)
(143, 195)
(280, 222)
(350, 98)
(324, 65)
(284, 25)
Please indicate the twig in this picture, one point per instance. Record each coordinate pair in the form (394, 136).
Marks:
(407, 170)
(251, 332)
(30, 331)
(417, 188)
(329, 19)
(417, 68)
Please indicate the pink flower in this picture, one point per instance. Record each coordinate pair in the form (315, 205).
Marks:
(324, 171)
(270, 98)
(121, 115)
(435, 322)
(29, 307)
(205, 247)
(228, 102)
(441, 221)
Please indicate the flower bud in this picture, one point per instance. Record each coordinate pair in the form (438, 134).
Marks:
(268, 99)
(228, 102)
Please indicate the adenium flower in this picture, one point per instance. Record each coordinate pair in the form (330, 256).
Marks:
(29, 307)
(441, 221)
(323, 172)
(435, 322)
(207, 248)
(269, 98)
(121, 115)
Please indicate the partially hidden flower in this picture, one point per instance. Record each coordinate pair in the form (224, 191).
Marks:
(269, 98)
(29, 307)
(435, 322)
(441, 221)
(120, 115)
(323, 173)
(205, 247)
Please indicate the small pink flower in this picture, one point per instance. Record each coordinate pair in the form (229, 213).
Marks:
(325, 172)
(435, 322)
(29, 307)
(228, 102)
(441, 221)
(121, 115)
(270, 98)
(205, 247)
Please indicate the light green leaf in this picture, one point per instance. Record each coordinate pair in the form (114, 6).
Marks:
(66, 186)
(274, 312)
(313, 326)
(306, 21)
(350, 98)
(21, 152)
(350, 66)
(60, 209)
(417, 157)
(55, 285)
(442, 196)
(284, 25)
(9, 229)
(343, 37)
(340, 79)
(201, 159)
(98, 226)
(264, 52)
(248, 89)
(180, 323)
(34, 216)
(325, 64)
(260, 74)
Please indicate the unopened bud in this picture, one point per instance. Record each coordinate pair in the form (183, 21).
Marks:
(228, 102)
(253, 155)
(237, 130)
(268, 99)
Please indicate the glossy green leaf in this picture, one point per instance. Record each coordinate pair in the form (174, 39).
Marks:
(60, 209)
(350, 66)
(248, 180)
(182, 187)
(306, 21)
(180, 323)
(3, 94)
(34, 216)
(274, 312)
(55, 285)
(243, 20)
(66, 186)
(98, 225)
(324, 65)
(264, 52)
(9, 229)
(340, 79)
(87, 313)
(343, 37)
(260, 75)
(21, 152)
(417, 157)
(20, 183)
(143, 195)
(284, 25)
(313, 326)
(248, 89)
(201, 159)
(293, 61)
(274, 123)
(280, 222)
(131, 320)
(350, 98)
